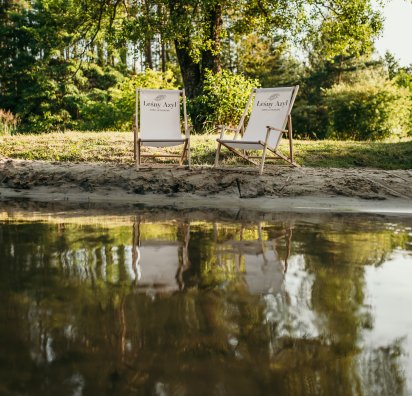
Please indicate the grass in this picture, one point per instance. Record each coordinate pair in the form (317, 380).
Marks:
(117, 147)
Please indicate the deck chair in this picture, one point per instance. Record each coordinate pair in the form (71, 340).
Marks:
(271, 114)
(159, 124)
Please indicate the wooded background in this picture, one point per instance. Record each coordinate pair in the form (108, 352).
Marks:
(67, 64)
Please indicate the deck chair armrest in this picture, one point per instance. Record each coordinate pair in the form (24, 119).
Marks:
(227, 128)
(224, 128)
(190, 129)
(270, 128)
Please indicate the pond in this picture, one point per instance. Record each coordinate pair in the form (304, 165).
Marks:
(167, 302)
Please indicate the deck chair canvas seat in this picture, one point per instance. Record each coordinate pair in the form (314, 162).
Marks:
(159, 123)
(270, 119)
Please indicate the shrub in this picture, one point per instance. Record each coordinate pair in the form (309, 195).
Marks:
(404, 79)
(310, 119)
(222, 101)
(8, 122)
(101, 78)
(373, 109)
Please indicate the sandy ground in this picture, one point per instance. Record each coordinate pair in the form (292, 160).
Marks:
(281, 188)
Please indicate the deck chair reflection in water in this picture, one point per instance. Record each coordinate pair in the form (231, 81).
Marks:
(262, 267)
(269, 120)
(159, 123)
(158, 263)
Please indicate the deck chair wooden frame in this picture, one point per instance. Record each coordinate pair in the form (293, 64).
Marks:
(165, 142)
(261, 144)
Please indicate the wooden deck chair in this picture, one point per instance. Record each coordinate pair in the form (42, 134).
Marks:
(159, 123)
(271, 114)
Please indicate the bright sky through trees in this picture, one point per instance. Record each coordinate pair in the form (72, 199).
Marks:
(397, 34)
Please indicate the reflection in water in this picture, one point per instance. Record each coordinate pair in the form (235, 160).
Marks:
(158, 264)
(173, 305)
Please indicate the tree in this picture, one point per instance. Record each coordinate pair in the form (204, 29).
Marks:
(50, 48)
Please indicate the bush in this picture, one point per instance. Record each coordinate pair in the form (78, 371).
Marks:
(222, 101)
(373, 109)
(310, 119)
(101, 78)
(8, 122)
(404, 79)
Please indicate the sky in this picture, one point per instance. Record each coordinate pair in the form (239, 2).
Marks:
(397, 33)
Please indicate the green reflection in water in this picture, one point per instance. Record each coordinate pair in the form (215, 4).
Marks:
(184, 307)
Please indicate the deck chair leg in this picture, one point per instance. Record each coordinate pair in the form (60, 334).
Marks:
(262, 164)
(239, 153)
(182, 158)
(284, 157)
(265, 146)
(189, 156)
(134, 143)
(219, 145)
(136, 249)
(138, 156)
(290, 138)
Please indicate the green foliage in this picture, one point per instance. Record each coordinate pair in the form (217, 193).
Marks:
(222, 101)
(391, 64)
(312, 115)
(368, 110)
(403, 78)
(346, 28)
(68, 64)
(101, 78)
(268, 61)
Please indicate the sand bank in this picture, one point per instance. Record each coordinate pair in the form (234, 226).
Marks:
(279, 189)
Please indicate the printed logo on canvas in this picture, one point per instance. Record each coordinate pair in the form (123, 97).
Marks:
(160, 103)
(273, 102)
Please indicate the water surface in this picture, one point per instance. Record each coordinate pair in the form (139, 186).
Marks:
(181, 303)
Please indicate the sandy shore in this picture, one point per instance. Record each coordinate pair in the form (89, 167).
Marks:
(279, 189)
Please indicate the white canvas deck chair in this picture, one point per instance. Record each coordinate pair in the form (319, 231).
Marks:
(159, 123)
(269, 120)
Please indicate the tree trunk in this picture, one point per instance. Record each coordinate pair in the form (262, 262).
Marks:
(190, 70)
(123, 55)
(148, 54)
(193, 73)
(163, 57)
(100, 54)
(148, 42)
(161, 15)
(211, 58)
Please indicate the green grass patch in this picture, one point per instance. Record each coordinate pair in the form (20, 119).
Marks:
(117, 147)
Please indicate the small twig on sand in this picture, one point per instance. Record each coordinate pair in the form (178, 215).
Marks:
(396, 193)
(279, 191)
(399, 177)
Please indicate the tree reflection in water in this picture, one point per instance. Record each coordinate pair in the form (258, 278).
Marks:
(181, 306)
